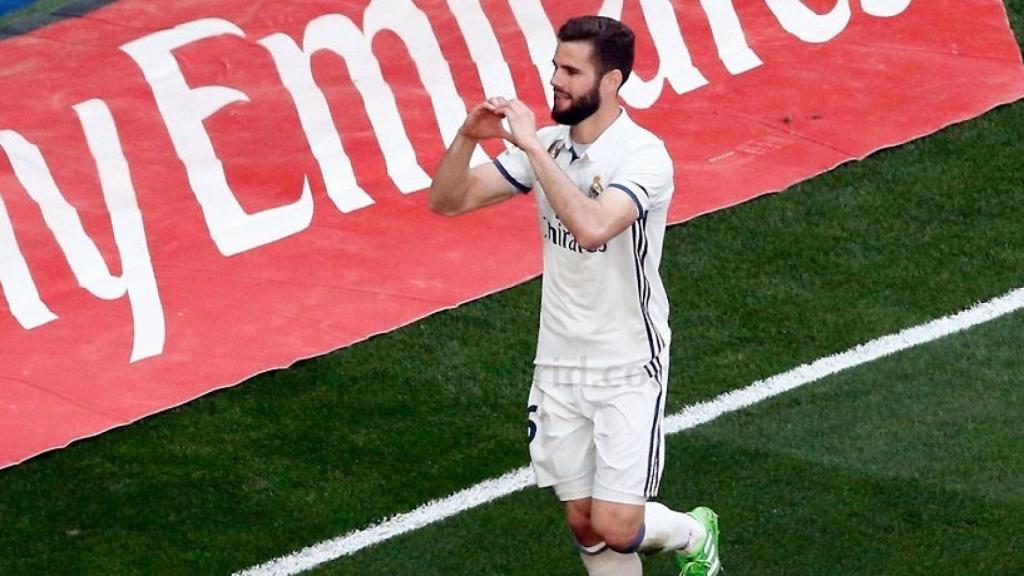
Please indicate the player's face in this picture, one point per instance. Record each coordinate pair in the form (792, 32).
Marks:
(575, 83)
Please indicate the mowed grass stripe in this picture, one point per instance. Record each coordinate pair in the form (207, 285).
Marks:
(691, 417)
(908, 465)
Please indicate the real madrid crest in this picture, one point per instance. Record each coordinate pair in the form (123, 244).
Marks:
(555, 148)
(596, 187)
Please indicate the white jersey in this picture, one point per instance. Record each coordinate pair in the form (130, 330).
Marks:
(604, 313)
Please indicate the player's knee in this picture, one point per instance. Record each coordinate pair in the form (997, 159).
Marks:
(619, 539)
(622, 534)
(579, 522)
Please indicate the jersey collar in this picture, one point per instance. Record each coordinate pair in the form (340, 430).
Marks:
(606, 146)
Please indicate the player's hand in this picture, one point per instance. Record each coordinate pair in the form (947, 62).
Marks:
(484, 121)
(521, 122)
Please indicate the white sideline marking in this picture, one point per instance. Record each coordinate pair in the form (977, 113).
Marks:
(689, 417)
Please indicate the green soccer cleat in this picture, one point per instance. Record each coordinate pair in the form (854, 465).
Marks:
(703, 562)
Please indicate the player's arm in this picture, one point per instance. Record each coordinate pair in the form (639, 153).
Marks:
(456, 188)
(592, 221)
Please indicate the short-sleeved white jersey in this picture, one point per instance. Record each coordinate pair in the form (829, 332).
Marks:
(603, 310)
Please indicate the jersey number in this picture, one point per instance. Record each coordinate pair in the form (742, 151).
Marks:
(531, 426)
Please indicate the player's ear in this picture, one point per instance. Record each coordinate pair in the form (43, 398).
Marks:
(612, 81)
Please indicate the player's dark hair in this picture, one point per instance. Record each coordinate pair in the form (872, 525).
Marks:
(612, 40)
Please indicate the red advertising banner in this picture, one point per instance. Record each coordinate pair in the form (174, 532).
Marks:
(196, 192)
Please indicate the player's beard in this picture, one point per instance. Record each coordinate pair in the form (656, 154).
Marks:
(579, 108)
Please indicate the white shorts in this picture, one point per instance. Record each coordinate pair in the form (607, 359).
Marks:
(602, 440)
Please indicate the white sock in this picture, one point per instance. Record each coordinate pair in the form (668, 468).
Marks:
(668, 530)
(603, 561)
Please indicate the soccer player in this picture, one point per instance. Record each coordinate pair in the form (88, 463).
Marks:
(603, 186)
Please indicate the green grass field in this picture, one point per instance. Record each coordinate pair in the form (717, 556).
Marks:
(909, 465)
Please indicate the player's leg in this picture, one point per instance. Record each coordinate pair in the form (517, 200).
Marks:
(562, 454)
(629, 446)
(577, 515)
(561, 444)
(619, 524)
(653, 527)
(598, 558)
(650, 527)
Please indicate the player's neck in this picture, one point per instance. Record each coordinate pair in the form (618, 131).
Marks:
(587, 131)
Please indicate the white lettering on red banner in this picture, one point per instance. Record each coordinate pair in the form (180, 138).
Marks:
(184, 108)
